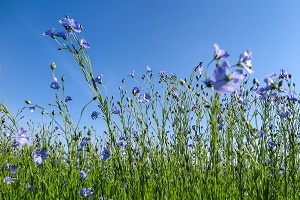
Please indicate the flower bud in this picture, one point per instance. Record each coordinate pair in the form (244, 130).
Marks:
(182, 82)
(63, 78)
(53, 66)
(28, 102)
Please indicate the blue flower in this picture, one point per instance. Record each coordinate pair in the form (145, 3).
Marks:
(20, 138)
(68, 98)
(50, 32)
(115, 110)
(219, 53)
(284, 74)
(147, 97)
(8, 180)
(148, 69)
(245, 61)
(269, 80)
(94, 115)
(99, 78)
(40, 155)
(83, 175)
(32, 109)
(135, 91)
(105, 154)
(63, 34)
(13, 169)
(272, 144)
(85, 192)
(161, 73)
(223, 81)
(54, 84)
(70, 24)
(84, 44)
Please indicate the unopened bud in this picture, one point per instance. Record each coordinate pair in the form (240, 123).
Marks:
(53, 66)
(182, 82)
(28, 102)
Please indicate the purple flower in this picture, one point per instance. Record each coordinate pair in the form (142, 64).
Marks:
(223, 81)
(147, 97)
(40, 155)
(269, 80)
(148, 69)
(105, 154)
(54, 84)
(161, 73)
(99, 78)
(13, 169)
(200, 68)
(259, 133)
(132, 74)
(84, 44)
(135, 91)
(219, 53)
(94, 115)
(245, 61)
(68, 98)
(83, 175)
(284, 74)
(85, 192)
(8, 180)
(20, 138)
(115, 110)
(272, 144)
(120, 143)
(32, 109)
(70, 24)
(50, 32)
(63, 34)
(6, 166)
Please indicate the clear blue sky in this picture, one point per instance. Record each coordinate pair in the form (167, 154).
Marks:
(128, 35)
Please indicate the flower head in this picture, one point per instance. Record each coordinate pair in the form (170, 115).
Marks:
(219, 53)
(94, 115)
(284, 74)
(85, 192)
(50, 33)
(84, 44)
(32, 109)
(63, 34)
(269, 80)
(99, 78)
(13, 169)
(68, 98)
(54, 84)
(105, 154)
(148, 69)
(115, 110)
(245, 61)
(8, 180)
(135, 91)
(70, 24)
(223, 81)
(40, 155)
(20, 138)
(83, 175)
(161, 73)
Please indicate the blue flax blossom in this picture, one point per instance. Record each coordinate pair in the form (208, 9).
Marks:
(32, 109)
(143, 97)
(84, 44)
(63, 34)
(20, 138)
(135, 91)
(148, 69)
(245, 61)
(83, 175)
(115, 110)
(13, 169)
(50, 33)
(284, 74)
(94, 115)
(272, 144)
(70, 24)
(224, 81)
(219, 53)
(85, 192)
(161, 73)
(105, 154)
(8, 180)
(54, 84)
(40, 155)
(269, 80)
(99, 78)
(68, 98)
(200, 68)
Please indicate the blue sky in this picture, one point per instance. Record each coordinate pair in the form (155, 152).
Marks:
(167, 35)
